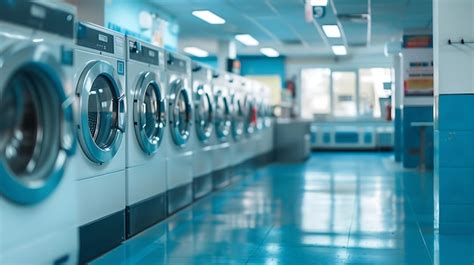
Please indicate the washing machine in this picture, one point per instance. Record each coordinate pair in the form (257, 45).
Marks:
(145, 151)
(37, 199)
(221, 154)
(100, 122)
(269, 126)
(179, 158)
(265, 126)
(203, 129)
(238, 139)
(259, 98)
(250, 149)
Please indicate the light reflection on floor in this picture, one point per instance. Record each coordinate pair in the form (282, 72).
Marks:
(337, 208)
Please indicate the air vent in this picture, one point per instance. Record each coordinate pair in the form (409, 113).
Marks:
(355, 18)
(357, 44)
(292, 42)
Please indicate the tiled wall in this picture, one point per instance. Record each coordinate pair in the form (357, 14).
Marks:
(411, 135)
(454, 173)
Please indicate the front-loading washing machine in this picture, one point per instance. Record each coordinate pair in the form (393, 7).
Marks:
(37, 199)
(259, 97)
(268, 126)
(204, 129)
(179, 152)
(237, 142)
(251, 143)
(145, 151)
(100, 122)
(221, 153)
(264, 124)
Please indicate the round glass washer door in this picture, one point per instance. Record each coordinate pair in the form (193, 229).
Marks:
(203, 114)
(180, 112)
(222, 117)
(36, 128)
(101, 115)
(149, 116)
(251, 117)
(238, 119)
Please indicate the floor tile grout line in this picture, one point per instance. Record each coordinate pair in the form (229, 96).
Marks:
(260, 244)
(419, 228)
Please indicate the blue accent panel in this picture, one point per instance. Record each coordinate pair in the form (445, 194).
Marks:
(210, 61)
(456, 149)
(120, 67)
(327, 138)
(457, 213)
(314, 138)
(368, 137)
(411, 135)
(261, 65)
(347, 137)
(456, 186)
(457, 112)
(398, 145)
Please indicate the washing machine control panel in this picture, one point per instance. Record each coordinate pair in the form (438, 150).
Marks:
(96, 39)
(142, 53)
(40, 16)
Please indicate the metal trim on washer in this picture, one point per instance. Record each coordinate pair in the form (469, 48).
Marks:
(13, 59)
(203, 132)
(89, 74)
(176, 88)
(223, 125)
(149, 147)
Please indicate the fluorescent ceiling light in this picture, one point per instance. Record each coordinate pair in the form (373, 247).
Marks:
(209, 17)
(246, 39)
(196, 51)
(318, 2)
(332, 31)
(339, 49)
(269, 52)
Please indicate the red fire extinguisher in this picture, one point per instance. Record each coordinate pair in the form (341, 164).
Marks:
(388, 110)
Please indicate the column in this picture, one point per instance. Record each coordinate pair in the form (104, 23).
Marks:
(454, 116)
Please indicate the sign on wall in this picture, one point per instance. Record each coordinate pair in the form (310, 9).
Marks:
(418, 72)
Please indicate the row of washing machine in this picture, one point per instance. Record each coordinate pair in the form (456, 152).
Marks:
(154, 132)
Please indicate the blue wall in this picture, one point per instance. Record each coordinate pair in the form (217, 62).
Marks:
(261, 65)
(210, 61)
(454, 172)
(122, 16)
(411, 135)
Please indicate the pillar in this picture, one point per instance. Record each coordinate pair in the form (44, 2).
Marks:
(454, 116)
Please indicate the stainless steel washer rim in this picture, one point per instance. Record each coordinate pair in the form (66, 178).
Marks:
(149, 143)
(93, 71)
(180, 133)
(41, 125)
(204, 122)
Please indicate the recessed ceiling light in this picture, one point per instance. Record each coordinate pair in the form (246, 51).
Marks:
(332, 31)
(208, 16)
(269, 52)
(246, 39)
(196, 51)
(339, 49)
(318, 2)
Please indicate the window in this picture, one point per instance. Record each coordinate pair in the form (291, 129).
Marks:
(316, 96)
(363, 92)
(344, 89)
(374, 90)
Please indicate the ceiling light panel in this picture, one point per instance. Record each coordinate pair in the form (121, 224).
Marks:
(318, 2)
(247, 39)
(196, 52)
(339, 50)
(208, 16)
(269, 52)
(332, 31)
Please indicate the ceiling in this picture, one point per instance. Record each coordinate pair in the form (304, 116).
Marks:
(281, 24)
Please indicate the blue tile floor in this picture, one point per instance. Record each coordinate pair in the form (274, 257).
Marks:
(337, 208)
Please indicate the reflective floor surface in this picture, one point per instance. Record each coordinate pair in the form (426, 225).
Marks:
(337, 208)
